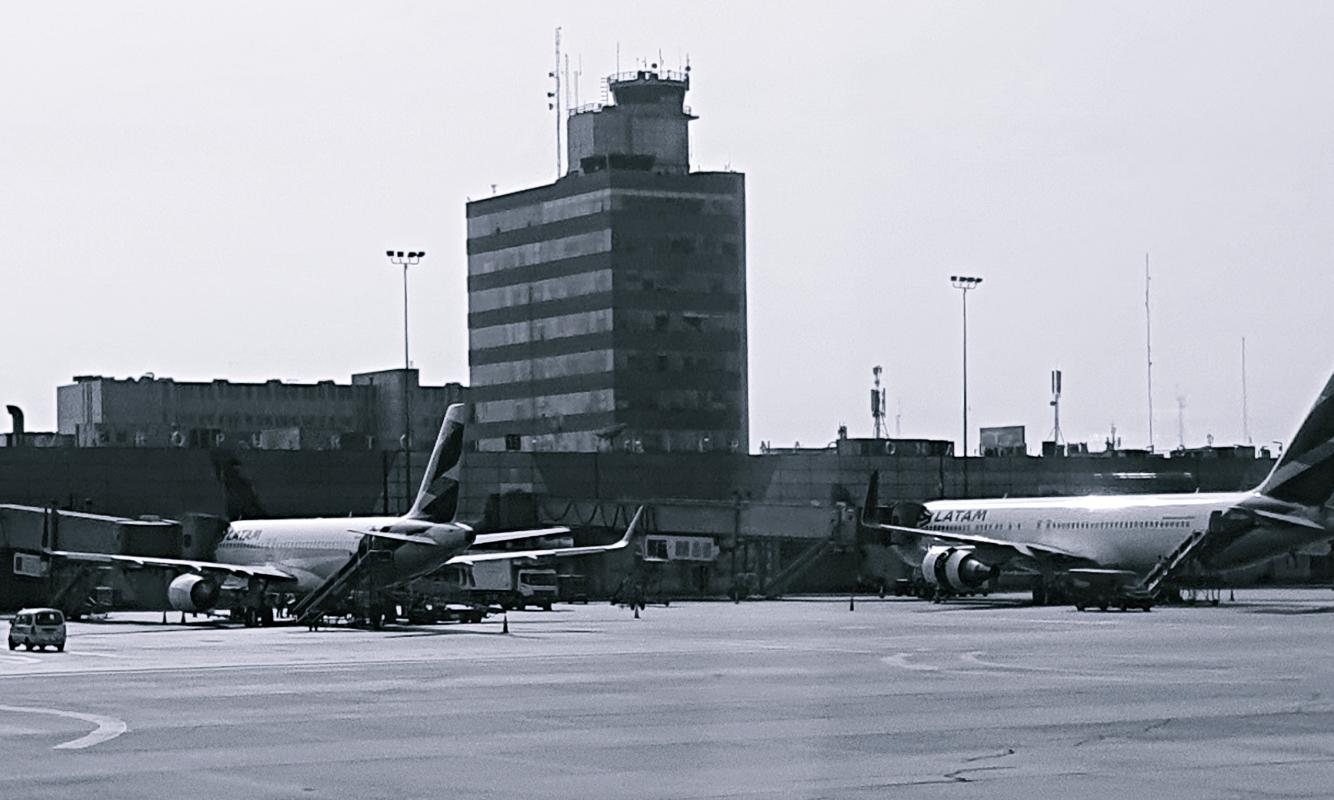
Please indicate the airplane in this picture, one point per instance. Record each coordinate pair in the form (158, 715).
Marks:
(959, 545)
(320, 560)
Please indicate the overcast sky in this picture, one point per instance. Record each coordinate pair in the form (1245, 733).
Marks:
(206, 190)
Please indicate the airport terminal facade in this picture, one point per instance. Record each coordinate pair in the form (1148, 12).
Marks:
(607, 353)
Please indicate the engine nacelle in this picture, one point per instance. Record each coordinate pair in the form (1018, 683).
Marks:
(955, 568)
(191, 592)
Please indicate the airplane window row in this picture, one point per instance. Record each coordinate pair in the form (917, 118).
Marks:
(1118, 524)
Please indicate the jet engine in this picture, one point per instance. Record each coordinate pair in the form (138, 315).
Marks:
(191, 592)
(955, 569)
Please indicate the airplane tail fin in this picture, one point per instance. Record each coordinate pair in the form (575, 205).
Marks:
(870, 506)
(438, 497)
(1305, 472)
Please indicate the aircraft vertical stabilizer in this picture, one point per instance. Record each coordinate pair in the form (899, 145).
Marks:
(438, 498)
(1305, 473)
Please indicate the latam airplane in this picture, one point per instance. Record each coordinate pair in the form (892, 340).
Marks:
(322, 559)
(960, 544)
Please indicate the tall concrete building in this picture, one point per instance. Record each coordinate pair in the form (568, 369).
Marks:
(607, 310)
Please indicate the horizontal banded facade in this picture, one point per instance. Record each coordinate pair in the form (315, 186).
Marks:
(608, 310)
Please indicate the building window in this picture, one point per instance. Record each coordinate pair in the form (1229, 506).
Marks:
(513, 441)
(660, 322)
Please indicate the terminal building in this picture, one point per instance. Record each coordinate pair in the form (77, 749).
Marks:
(149, 411)
(607, 352)
(607, 310)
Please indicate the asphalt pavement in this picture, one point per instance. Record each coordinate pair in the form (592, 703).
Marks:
(791, 699)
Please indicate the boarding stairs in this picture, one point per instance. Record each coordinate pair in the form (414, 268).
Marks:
(83, 591)
(799, 566)
(1174, 563)
(368, 566)
(842, 536)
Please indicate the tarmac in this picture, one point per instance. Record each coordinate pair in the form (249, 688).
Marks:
(792, 699)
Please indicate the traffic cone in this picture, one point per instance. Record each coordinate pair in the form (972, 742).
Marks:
(505, 626)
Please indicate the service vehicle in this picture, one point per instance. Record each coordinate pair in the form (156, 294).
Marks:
(1106, 588)
(511, 584)
(38, 628)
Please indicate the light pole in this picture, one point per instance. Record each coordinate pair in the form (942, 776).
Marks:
(406, 260)
(964, 283)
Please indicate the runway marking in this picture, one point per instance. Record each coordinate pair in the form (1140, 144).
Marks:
(975, 657)
(901, 660)
(21, 659)
(107, 727)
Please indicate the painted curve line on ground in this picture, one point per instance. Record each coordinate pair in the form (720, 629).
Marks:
(107, 727)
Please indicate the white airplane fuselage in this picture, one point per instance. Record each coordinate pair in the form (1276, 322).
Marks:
(314, 549)
(1124, 531)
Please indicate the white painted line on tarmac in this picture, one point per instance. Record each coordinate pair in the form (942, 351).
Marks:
(21, 659)
(901, 660)
(107, 727)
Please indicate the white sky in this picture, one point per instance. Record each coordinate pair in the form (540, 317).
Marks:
(207, 190)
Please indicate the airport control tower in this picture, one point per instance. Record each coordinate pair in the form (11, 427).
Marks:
(607, 310)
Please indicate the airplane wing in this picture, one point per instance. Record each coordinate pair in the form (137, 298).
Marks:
(397, 537)
(509, 536)
(1031, 550)
(996, 550)
(500, 555)
(243, 571)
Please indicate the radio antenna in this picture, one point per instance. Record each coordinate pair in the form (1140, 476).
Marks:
(1148, 347)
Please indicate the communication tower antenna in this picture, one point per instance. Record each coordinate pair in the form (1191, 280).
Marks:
(1181, 422)
(554, 103)
(878, 403)
(1148, 347)
(1056, 406)
(1245, 413)
(578, 78)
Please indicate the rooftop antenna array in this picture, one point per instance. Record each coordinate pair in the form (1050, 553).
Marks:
(1056, 407)
(878, 404)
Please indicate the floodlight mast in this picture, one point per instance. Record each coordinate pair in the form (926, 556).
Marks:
(405, 260)
(965, 284)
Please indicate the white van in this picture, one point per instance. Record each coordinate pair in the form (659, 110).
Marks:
(37, 628)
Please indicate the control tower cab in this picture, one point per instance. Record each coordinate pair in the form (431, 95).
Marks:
(644, 128)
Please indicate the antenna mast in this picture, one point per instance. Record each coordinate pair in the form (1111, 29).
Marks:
(1056, 437)
(554, 103)
(1245, 412)
(878, 404)
(1181, 422)
(1148, 347)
